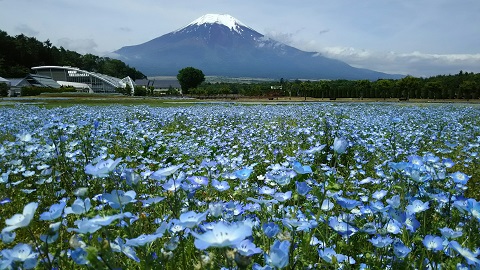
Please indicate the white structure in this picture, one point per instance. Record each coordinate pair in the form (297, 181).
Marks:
(96, 82)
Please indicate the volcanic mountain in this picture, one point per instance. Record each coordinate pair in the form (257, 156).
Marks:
(221, 45)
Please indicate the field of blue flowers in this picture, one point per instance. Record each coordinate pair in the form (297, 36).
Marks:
(226, 186)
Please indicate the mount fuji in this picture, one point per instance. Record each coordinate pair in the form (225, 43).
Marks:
(221, 45)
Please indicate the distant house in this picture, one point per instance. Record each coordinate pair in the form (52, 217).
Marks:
(159, 83)
(160, 86)
(16, 84)
(5, 81)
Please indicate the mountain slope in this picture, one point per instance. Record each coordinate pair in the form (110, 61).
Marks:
(220, 45)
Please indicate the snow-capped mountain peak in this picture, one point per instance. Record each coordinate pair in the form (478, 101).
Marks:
(223, 19)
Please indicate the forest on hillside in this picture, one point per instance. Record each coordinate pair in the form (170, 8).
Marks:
(463, 85)
(19, 53)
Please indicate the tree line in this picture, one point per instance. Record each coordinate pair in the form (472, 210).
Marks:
(19, 53)
(463, 85)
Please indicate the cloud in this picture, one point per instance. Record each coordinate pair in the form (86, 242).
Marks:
(81, 46)
(413, 63)
(125, 29)
(25, 29)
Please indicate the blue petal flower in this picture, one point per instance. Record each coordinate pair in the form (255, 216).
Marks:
(434, 243)
(278, 254)
(21, 220)
(243, 174)
(54, 212)
(222, 235)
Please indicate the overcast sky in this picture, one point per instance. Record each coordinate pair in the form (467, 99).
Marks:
(416, 37)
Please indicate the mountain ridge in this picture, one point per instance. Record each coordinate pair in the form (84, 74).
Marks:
(221, 45)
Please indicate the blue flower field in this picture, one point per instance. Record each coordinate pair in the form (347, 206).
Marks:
(230, 186)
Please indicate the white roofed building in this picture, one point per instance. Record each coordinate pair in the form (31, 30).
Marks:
(96, 82)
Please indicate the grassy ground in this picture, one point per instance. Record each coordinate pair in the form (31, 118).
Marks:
(70, 99)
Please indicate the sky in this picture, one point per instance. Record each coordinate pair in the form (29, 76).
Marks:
(421, 38)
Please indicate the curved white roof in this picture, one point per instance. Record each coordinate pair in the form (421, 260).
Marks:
(115, 82)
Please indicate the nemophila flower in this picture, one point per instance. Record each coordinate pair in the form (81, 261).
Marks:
(381, 242)
(301, 169)
(466, 253)
(327, 205)
(52, 234)
(417, 206)
(191, 219)
(394, 202)
(370, 228)
(119, 198)
(198, 180)
(247, 248)
(279, 177)
(81, 192)
(151, 200)
(279, 254)
(222, 235)
(164, 172)
(7, 237)
(341, 227)
(377, 206)
(282, 196)
(4, 177)
(54, 212)
(5, 201)
(243, 174)
(220, 186)
(448, 163)
(449, 233)
(473, 207)
(103, 167)
(314, 149)
(340, 145)
(172, 243)
(92, 225)
(461, 205)
(79, 256)
(328, 255)
(142, 240)
(400, 250)
(24, 137)
(393, 227)
(28, 173)
(379, 194)
(415, 160)
(302, 188)
(131, 177)
(20, 253)
(257, 266)
(79, 207)
(21, 220)
(265, 190)
(270, 229)
(172, 185)
(460, 178)
(347, 203)
(432, 242)
(411, 223)
(216, 209)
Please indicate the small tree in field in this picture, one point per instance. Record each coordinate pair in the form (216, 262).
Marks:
(189, 78)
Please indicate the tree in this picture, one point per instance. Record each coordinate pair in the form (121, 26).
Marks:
(189, 78)
(3, 90)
